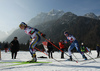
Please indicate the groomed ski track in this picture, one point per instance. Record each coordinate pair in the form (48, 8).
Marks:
(89, 65)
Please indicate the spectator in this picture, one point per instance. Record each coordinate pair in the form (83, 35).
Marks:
(14, 48)
(6, 47)
(98, 50)
(61, 45)
(50, 49)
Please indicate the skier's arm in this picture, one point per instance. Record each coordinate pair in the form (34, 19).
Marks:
(40, 32)
(66, 41)
(36, 30)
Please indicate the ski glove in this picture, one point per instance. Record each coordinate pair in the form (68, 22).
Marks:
(43, 35)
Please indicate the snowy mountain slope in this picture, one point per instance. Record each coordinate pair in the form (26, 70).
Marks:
(4, 35)
(45, 17)
(91, 15)
(99, 17)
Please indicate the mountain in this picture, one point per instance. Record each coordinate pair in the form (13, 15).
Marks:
(57, 28)
(99, 17)
(3, 36)
(85, 29)
(45, 17)
(91, 15)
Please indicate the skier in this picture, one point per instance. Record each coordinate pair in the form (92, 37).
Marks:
(74, 43)
(34, 37)
(61, 45)
(83, 49)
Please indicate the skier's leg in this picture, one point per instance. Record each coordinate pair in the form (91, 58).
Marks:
(70, 48)
(33, 54)
(77, 48)
(32, 47)
(69, 51)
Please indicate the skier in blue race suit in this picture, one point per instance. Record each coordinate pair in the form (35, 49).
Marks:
(74, 43)
(34, 37)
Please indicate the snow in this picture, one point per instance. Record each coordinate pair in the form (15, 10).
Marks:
(91, 15)
(63, 65)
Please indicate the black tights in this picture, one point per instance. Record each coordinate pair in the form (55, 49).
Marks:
(98, 54)
(50, 54)
(13, 54)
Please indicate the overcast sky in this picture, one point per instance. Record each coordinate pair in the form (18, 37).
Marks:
(12, 12)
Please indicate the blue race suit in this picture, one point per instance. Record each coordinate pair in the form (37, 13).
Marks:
(74, 43)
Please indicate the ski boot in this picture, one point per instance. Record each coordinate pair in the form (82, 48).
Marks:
(70, 58)
(84, 57)
(34, 59)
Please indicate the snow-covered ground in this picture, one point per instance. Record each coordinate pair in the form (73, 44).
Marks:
(63, 65)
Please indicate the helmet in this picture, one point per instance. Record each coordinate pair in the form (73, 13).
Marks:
(22, 23)
(65, 33)
(82, 43)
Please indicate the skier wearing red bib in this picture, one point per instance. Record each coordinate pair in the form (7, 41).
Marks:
(35, 38)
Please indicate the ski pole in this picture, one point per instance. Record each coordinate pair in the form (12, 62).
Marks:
(45, 54)
(91, 57)
(75, 56)
(58, 48)
(55, 45)
(41, 51)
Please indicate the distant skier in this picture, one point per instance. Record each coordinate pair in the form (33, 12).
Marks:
(74, 43)
(34, 37)
(83, 49)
